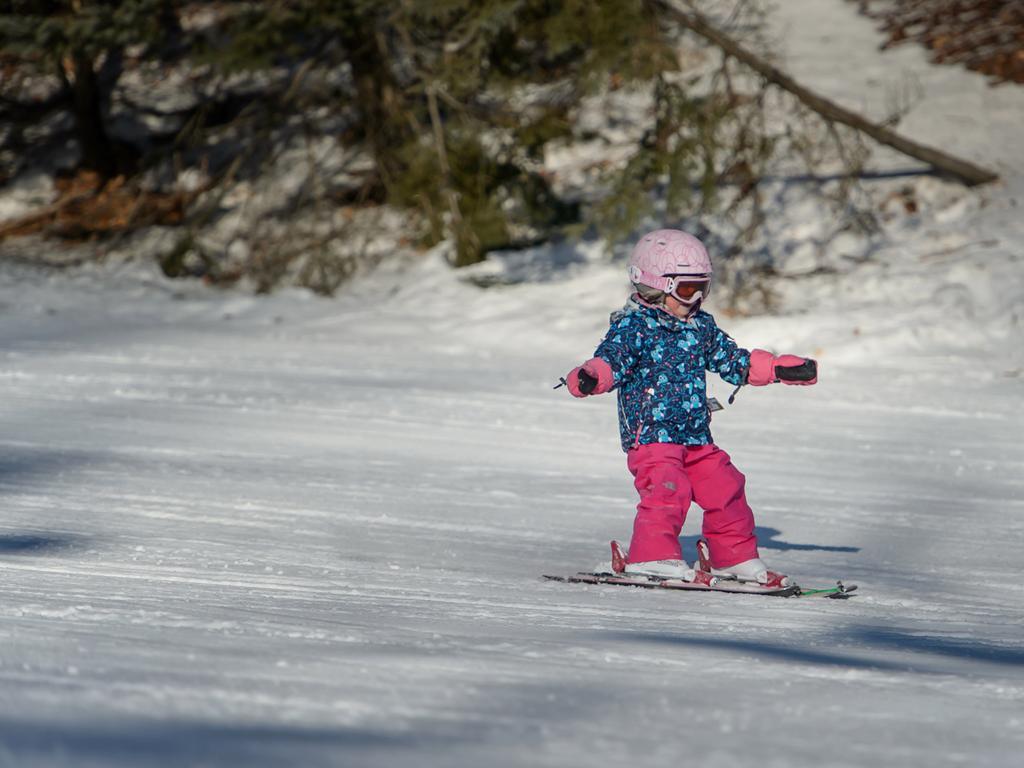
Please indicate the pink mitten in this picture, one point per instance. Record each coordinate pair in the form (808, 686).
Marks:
(594, 377)
(766, 368)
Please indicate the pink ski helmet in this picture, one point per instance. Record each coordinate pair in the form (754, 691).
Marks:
(672, 261)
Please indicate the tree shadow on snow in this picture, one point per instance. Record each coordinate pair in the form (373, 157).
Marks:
(490, 723)
(878, 648)
(139, 743)
(797, 653)
(959, 648)
(25, 468)
(38, 543)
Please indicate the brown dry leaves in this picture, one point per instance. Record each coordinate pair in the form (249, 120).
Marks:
(87, 207)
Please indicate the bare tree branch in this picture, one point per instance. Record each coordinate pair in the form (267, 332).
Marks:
(963, 170)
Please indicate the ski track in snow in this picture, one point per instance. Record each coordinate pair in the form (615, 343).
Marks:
(289, 531)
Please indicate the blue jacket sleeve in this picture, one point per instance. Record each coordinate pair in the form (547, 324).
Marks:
(621, 346)
(725, 357)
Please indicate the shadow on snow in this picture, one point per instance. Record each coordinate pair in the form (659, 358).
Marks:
(155, 743)
(958, 648)
(38, 543)
(767, 539)
(881, 649)
(796, 653)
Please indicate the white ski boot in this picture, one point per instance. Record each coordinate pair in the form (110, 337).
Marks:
(662, 569)
(753, 571)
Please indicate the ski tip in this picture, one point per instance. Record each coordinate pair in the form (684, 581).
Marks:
(839, 592)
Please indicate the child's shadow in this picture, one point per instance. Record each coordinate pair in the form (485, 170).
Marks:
(766, 539)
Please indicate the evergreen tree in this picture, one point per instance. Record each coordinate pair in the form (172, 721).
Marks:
(457, 99)
(81, 43)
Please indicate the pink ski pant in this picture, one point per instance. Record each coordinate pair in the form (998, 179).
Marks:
(669, 477)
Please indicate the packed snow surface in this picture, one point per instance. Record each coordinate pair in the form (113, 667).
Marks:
(294, 531)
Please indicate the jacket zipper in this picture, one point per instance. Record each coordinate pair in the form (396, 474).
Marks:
(640, 426)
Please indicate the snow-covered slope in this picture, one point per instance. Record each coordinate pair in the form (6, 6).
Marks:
(292, 531)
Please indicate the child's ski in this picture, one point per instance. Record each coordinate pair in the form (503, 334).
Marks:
(703, 580)
(838, 592)
(651, 582)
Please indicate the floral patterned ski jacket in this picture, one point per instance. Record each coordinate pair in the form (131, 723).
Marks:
(659, 365)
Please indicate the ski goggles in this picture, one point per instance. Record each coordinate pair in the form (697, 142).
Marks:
(688, 289)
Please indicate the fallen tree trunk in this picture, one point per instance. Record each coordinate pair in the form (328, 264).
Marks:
(966, 172)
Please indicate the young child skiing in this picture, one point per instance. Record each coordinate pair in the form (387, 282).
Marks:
(655, 354)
